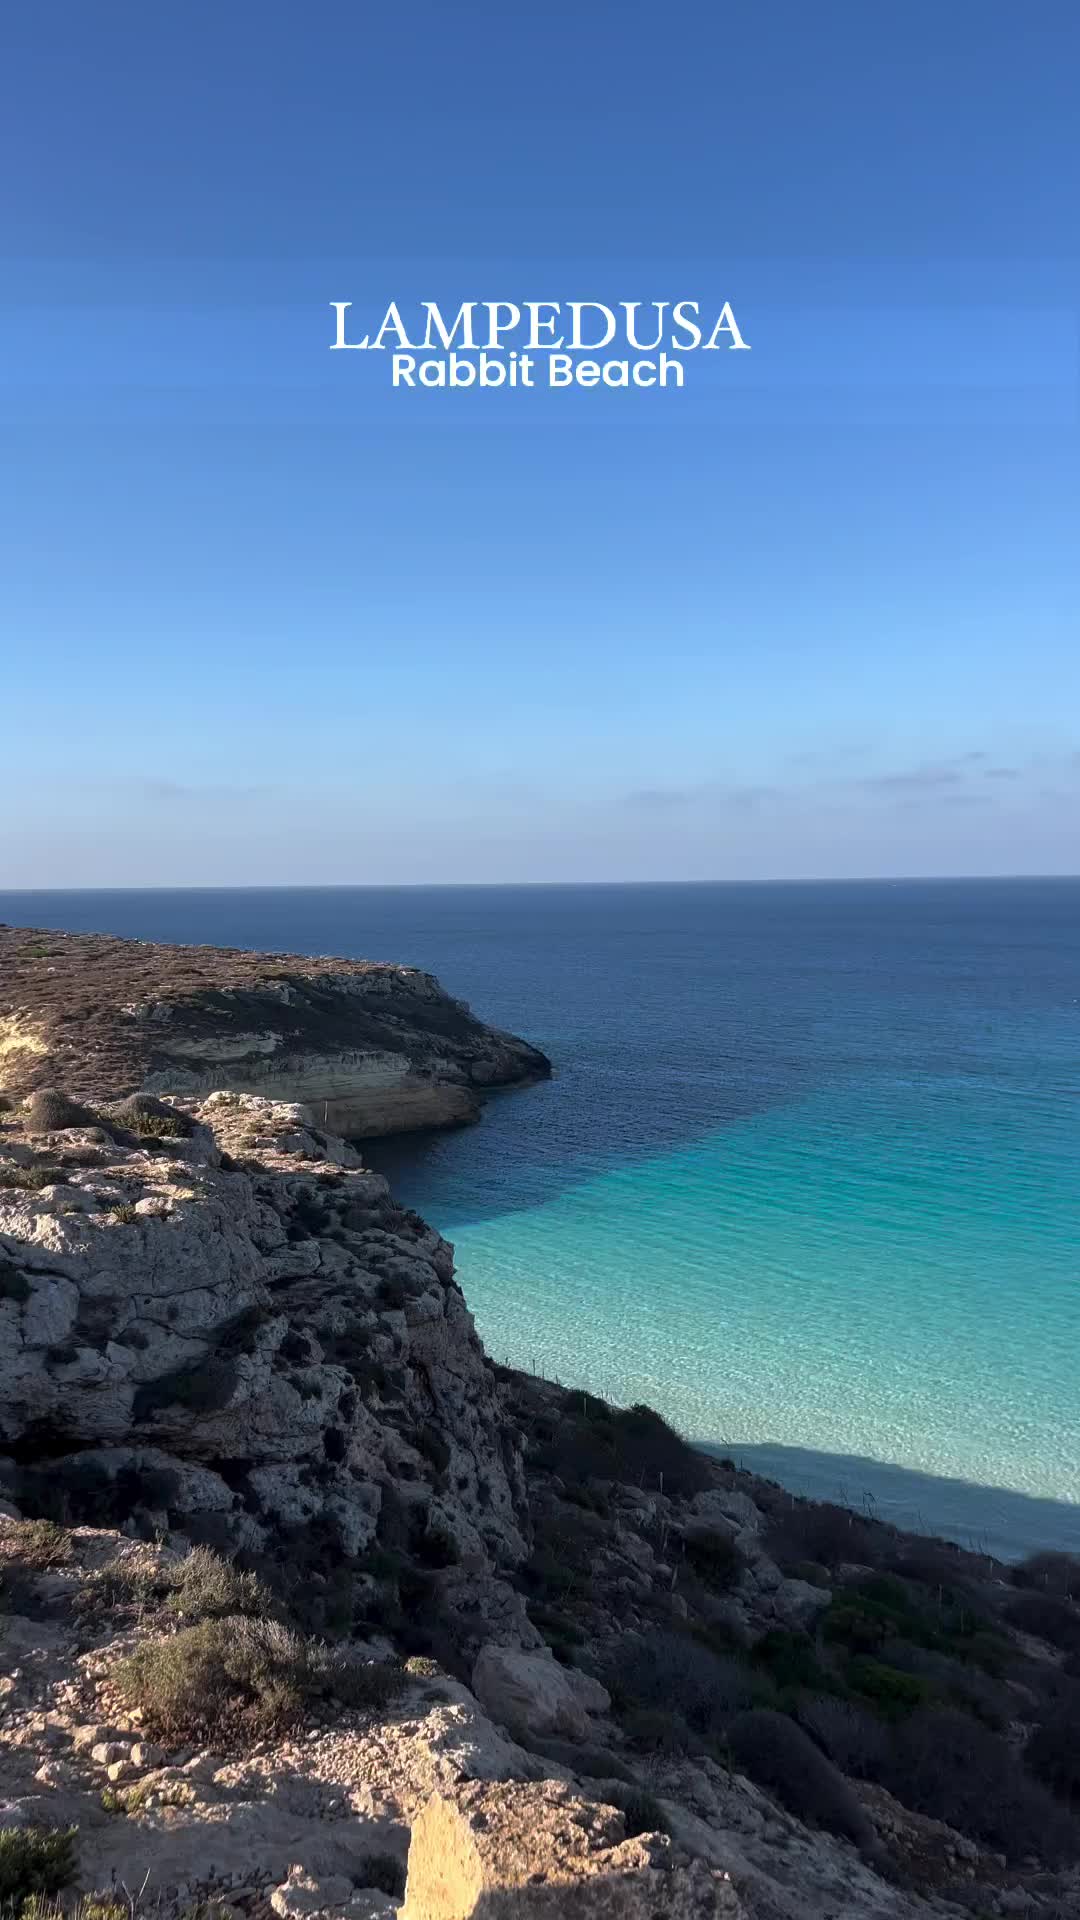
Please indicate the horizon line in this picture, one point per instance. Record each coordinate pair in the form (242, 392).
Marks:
(451, 886)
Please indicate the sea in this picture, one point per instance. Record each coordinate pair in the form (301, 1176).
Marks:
(806, 1178)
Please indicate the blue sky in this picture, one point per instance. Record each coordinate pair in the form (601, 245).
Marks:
(267, 620)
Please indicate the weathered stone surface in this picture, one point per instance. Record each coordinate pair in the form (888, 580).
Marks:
(542, 1852)
(281, 1316)
(798, 1605)
(721, 1504)
(364, 1048)
(529, 1693)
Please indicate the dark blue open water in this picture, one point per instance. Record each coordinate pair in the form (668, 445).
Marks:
(807, 1179)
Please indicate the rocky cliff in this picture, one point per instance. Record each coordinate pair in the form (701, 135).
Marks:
(306, 1608)
(367, 1048)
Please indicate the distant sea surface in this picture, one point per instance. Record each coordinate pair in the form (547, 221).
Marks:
(807, 1178)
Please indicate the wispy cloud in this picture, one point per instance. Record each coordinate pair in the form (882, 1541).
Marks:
(913, 779)
(712, 791)
(663, 796)
(156, 787)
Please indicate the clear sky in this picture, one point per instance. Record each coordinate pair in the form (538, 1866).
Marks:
(265, 619)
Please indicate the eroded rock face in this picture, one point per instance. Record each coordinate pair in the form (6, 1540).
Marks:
(244, 1347)
(539, 1852)
(367, 1048)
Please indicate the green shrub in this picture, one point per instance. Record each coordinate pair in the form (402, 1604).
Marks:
(233, 1674)
(41, 1545)
(421, 1668)
(243, 1678)
(793, 1662)
(779, 1756)
(152, 1119)
(893, 1693)
(35, 1860)
(205, 1587)
(125, 1213)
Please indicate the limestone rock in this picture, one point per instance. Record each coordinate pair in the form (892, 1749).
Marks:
(529, 1693)
(721, 1504)
(359, 1047)
(541, 1853)
(797, 1604)
(264, 1350)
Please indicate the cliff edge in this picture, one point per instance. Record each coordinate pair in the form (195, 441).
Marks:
(307, 1609)
(368, 1048)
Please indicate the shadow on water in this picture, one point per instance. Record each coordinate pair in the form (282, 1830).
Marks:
(993, 1520)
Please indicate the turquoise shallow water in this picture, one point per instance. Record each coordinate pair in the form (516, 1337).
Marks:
(807, 1178)
(890, 1281)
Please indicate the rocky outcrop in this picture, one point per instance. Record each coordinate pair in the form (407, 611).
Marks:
(238, 1333)
(541, 1852)
(366, 1048)
(552, 1623)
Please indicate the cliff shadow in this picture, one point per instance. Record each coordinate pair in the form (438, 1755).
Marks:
(985, 1519)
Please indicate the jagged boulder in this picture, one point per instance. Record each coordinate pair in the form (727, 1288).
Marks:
(531, 1694)
(541, 1852)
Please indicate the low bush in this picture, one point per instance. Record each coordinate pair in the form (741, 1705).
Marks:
(17, 1179)
(35, 1860)
(152, 1119)
(40, 1545)
(360, 1683)
(592, 1441)
(671, 1672)
(958, 1682)
(778, 1755)
(49, 1111)
(950, 1766)
(854, 1740)
(1048, 1617)
(1050, 1573)
(205, 1587)
(891, 1692)
(233, 1674)
(793, 1663)
(829, 1534)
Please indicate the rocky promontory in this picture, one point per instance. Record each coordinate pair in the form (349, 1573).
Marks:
(367, 1047)
(308, 1609)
